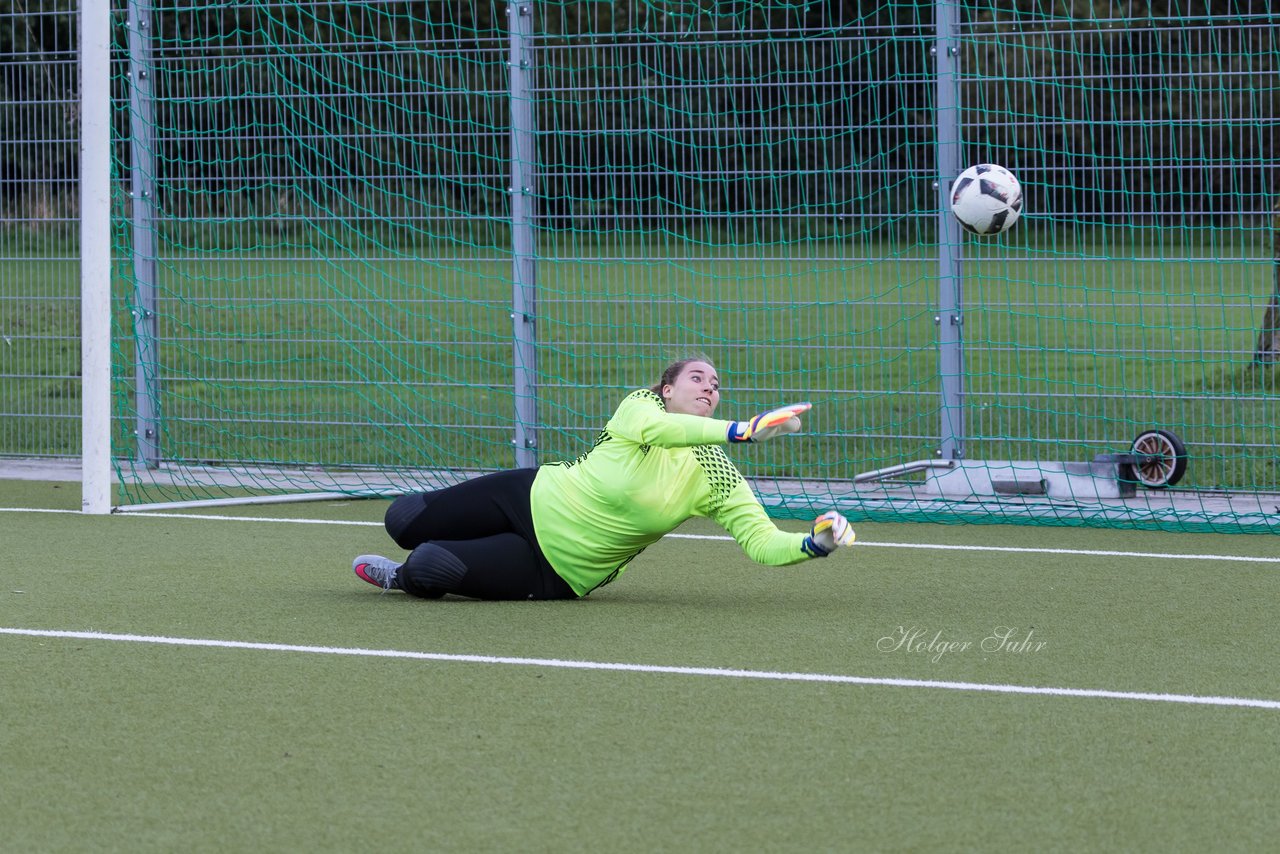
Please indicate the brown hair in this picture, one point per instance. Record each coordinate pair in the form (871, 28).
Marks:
(675, 369)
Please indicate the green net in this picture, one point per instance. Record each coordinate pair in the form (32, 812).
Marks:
(39, 298)
(317, 293)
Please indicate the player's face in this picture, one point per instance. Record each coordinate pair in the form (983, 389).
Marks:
(696, 390)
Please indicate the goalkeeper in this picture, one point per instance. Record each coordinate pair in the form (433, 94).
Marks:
(564, 529)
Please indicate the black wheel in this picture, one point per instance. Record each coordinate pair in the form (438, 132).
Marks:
(1161, 459)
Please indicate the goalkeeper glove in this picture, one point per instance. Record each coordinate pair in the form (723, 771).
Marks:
(768, 424)
(830, 531)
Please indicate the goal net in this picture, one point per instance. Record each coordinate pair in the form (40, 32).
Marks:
(364, 248)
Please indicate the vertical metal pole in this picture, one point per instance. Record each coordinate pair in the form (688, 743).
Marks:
(95, 257)
(142, 191)
(524, 274)
(950, 317)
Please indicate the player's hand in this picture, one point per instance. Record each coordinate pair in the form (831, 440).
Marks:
(830, 531)
(766, 425)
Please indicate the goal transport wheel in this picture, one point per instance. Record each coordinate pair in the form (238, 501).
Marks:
(1161, 459)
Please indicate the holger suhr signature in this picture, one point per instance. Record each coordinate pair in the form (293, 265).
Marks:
(1007, 640)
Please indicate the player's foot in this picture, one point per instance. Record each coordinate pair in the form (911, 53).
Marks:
(378, 571)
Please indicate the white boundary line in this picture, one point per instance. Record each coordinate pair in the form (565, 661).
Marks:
(569, 664)
(861, 543)
(1086, 552)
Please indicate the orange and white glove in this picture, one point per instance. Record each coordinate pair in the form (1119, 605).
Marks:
(830, 531)
(766, 425)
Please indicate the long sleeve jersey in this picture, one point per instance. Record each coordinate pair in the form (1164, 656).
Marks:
(648, 472)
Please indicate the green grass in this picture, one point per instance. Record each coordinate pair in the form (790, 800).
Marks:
(1071, 350)
(126, 746)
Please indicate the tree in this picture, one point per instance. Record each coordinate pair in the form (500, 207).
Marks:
(1268, 349)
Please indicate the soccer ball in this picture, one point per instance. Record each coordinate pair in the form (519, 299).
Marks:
(987, 199)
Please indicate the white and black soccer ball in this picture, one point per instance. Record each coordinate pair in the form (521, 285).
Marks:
(987, 199)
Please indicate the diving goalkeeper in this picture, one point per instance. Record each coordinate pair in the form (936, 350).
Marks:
(565, 529)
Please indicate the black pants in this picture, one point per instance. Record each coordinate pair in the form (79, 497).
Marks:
(486, 526)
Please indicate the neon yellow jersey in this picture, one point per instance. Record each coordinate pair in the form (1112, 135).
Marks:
(648, 472)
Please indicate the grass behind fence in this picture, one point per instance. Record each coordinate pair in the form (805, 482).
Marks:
(408, 362)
